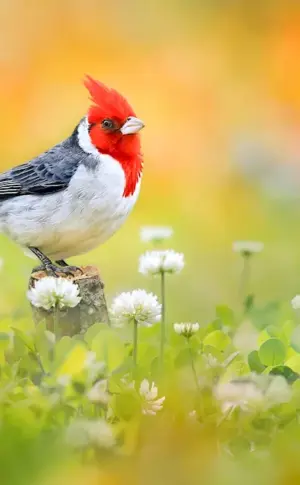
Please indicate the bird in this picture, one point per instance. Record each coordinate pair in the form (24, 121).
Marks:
(76, 195)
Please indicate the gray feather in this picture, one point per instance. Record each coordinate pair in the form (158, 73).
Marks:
(49, 172)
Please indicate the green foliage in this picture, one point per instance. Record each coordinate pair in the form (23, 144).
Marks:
(255, 363)
(272, 352)
(237, 375)
(109, 349)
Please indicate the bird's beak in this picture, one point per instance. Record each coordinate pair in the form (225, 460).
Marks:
(131, 126)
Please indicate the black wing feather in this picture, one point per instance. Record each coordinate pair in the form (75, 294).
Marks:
(48, 173)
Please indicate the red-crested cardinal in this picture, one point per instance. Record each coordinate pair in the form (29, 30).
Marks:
(76, 195)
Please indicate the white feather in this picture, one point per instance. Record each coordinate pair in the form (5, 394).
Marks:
(84, 140)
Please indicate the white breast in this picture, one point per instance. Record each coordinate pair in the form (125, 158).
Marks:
(76, 220)
(93, 209)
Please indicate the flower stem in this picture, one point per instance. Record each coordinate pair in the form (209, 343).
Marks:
(39, 361)
(163, 297)
(245, 277)
(135, 342)
(56, 329)
(163, 317)
(193, 364)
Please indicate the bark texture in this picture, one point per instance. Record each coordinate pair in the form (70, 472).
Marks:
(91, 309)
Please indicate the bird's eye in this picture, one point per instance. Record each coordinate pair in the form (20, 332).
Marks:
(107, 124)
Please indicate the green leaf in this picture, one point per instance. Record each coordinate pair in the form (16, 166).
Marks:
(73, 362)
(272, 352)
(239, 445)
(237, 368)
(29, 364)
(230, 359)
(208, 349)
(44, 347)
(109, 348)
(294, 363)
(249, 303)
(285, 371)
(4, 344)
(295, 339)
(211, 327)
(4, 337)
(255, 363)
(226, 315)
(19, 348)
(263, 337)
(183, 358)
(126, 405)
(151, 333)
(273, 331)
(27, 339)
(63, 347)
(147, 353)
(217, 339)
(263, 317)
(287, 329)
(92, 331)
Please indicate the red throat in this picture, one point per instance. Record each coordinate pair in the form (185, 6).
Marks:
(133, 171)
(126, 150)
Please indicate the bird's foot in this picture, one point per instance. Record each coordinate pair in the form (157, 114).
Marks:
(67, 270)
(54, 270)
(68, 267)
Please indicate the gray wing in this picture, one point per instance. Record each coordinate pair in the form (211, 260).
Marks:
(48, 173)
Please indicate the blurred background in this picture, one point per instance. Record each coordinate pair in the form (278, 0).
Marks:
(217, 84)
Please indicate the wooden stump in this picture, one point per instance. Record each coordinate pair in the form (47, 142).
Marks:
(91, 309)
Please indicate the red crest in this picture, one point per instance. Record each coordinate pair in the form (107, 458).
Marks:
(107, 102)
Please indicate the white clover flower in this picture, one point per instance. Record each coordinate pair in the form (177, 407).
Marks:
(246, 248)
(53, 292)
(244, 394)
(83, 432)
(211, 362)
(150, 402)
(125, 380)
(186, 329)
(1, 263)
(157, 262)
(138, 306)
(295, 302)
(99, 392)
(155, 233)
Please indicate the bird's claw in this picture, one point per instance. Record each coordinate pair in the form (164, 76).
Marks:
(54, 270)
(67, 270)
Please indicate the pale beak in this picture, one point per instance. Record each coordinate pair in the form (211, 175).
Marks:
(131, 126)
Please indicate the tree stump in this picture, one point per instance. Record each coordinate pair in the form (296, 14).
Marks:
(91, 309)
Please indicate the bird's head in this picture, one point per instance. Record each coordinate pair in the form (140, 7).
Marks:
(113, 126)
